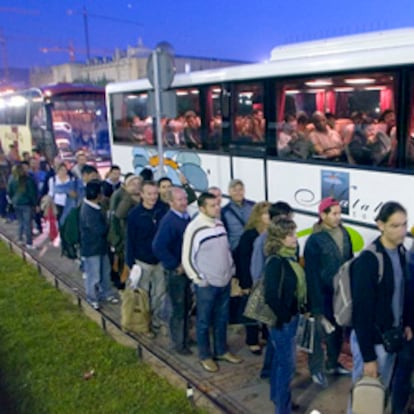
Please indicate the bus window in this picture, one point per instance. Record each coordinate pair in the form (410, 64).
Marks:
(213, 140)
(188, 108)
(131, 122)
(17, 109)
(249, 122)
(410, 139)
(337, 118)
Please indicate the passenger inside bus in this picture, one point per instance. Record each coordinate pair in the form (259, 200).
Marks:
(294, 142)
(174, 134)
(369, 145)
(327, 142)
(192, 130)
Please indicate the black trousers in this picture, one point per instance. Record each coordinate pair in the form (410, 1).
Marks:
(179, 291)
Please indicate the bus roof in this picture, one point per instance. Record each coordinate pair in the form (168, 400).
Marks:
(356, 52)
(67, 88)
(56, 89)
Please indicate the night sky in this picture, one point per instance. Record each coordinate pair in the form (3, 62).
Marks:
(233, 29)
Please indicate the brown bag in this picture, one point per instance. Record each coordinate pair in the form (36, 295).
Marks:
(135, 311)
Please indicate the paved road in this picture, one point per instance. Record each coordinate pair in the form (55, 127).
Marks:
(236, 387)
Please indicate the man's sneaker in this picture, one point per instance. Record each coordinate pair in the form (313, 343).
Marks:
(95, 305)
(229, 357)
(209, 365)
(338, 370)
(112, 299)
(30, 247)
(320, 379)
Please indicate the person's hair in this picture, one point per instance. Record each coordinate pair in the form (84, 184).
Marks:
(203, 197)
(277, 231)
(235, 182)
(302, 118)
(255, 219)
(213, 188)
(93, 189)
(289, 117)
(19, 174)
(388, 209)
(147, 174)
(148, 183)
(162, 179)
(88, 169)
(170, 193)
(280, 208)
(384, 114)
(115, 167)
(128, 174)
(60, 165)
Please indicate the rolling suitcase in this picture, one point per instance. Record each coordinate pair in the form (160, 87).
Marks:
(368, 396)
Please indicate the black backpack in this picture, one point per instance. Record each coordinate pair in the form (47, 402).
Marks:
(70, 234)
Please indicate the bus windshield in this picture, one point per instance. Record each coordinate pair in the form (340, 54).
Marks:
(56, 120)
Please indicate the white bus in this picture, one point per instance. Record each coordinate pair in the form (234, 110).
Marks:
(266, 124)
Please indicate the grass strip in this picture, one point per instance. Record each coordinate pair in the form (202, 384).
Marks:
(47, 345)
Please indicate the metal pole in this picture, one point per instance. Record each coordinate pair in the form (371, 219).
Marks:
(85, 25)
(157, 93)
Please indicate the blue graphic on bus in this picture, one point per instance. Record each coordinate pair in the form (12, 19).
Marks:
(336, 184)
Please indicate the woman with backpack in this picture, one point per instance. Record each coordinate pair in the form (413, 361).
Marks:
(285, 294)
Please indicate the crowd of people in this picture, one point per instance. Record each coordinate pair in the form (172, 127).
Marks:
(219, 254)
(359, 140)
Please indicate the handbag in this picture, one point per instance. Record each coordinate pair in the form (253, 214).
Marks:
(368, 396)
(393, 339)
(256, 307)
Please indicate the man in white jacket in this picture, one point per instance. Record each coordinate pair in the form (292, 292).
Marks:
(207, 260)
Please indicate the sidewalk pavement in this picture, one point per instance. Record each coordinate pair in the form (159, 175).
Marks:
(235, 388)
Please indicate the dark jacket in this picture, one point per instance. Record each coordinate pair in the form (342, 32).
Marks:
(372, 301)
(243, 257)
(142, 225)
(108, 188)
(24, 194)
(280, 289)
(234, 218)
(93, 231)
(322, 261)
(168, 242)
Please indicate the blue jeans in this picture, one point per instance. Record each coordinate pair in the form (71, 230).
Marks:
(212, 310)
(283, 366)
(384, 359)
(24, 218)
(401, 385)
(3, 202)
(98, 278)
(268, 359)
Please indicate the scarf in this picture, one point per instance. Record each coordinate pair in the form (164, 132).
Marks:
(290, 254)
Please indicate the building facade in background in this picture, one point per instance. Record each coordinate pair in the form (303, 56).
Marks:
(123, 65)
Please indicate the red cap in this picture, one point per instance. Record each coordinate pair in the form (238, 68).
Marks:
(326, 203)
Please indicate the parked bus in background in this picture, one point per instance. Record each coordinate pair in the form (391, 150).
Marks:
(57, 119)
(332, 117)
